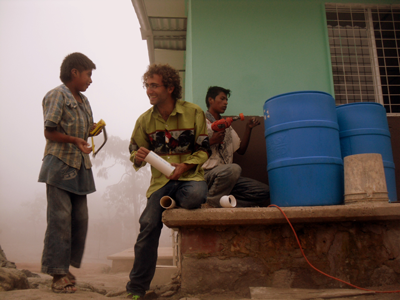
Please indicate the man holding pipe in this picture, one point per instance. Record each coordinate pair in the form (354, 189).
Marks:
(222, 175)
(175, 130)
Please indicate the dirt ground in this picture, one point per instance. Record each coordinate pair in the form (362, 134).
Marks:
(92, 280)
(95, 281)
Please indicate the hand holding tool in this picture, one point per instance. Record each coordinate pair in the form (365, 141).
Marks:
(100, 126)
(222, 124)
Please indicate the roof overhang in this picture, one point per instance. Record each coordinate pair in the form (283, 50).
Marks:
(163, 25)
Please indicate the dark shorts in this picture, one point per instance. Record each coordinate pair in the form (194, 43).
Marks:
(57, 173)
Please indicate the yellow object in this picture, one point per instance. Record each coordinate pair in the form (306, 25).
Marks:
(99, 126)
(92, 145)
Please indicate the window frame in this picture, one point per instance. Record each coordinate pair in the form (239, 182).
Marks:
(372, 48)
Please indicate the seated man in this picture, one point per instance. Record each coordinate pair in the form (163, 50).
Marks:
(175, 130)
(223, 176)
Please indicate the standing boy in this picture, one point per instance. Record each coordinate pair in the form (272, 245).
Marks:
(222, 175)
(66, 170)
(175, 130)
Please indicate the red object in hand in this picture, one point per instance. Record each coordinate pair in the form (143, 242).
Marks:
(222, 124)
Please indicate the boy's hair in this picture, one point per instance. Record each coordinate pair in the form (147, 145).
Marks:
(214, 91)
(77, 61)
(170, 77)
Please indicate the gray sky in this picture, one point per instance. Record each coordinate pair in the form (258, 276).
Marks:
(35, 36)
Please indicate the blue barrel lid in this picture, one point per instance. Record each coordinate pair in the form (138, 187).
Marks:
(298, 92)
(358, 103)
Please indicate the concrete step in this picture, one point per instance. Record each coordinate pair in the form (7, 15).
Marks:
(123, 261)
(269, 293)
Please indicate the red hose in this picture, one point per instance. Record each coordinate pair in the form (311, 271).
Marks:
(302, 252)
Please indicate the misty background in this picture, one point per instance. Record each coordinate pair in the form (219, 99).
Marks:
(35, 36)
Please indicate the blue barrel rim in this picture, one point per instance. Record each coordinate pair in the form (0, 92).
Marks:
(301, 124)
(299, 92)
(364, 131)
(307, 160)
(359, 103)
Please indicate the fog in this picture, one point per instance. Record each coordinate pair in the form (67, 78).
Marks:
(35, 36)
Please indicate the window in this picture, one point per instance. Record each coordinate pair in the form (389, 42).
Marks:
(364, 43)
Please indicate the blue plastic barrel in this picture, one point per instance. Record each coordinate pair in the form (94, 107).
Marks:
(305, 167)
(364, 128)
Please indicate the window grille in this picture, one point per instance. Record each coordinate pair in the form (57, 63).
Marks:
(364, 43)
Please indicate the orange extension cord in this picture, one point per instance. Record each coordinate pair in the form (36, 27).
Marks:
(301, 249)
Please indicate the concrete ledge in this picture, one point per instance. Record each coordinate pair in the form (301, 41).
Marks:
(123, 261)
(175, 218)
(164, 253)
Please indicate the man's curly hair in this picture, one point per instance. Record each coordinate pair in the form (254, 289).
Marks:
(170, 77)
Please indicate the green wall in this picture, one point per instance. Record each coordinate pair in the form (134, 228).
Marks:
(258, 49)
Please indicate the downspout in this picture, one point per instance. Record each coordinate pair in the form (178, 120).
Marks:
(145, 28)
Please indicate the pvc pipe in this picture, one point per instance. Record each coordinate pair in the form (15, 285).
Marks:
(160, 164)
(228, 201)
(167, 202)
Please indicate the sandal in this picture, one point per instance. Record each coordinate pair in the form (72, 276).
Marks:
(63, 285)
(71, 278)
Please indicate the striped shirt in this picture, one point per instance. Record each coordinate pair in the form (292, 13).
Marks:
(61, 108)
(181, 139)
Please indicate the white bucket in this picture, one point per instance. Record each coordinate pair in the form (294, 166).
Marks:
(364, 179)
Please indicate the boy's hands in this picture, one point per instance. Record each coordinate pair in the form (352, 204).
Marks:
(53, 135)
(93, 128)
(83, 145)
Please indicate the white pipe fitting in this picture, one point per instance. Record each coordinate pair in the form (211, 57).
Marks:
(227, 201)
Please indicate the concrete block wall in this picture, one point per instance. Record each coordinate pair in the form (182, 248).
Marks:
(235, 258)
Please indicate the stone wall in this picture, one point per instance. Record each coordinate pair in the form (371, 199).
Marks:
(238, 257)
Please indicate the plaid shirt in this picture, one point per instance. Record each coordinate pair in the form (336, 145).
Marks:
(181, 139)
(61, 108)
